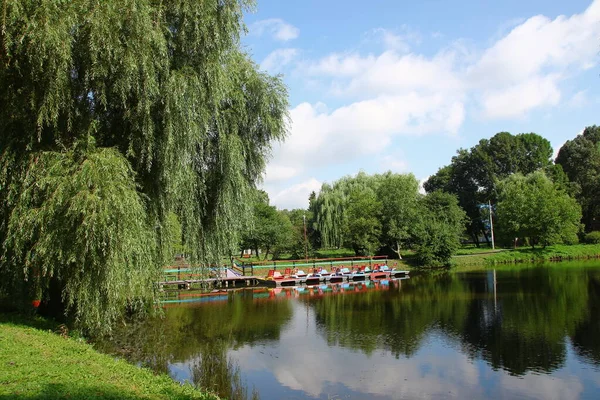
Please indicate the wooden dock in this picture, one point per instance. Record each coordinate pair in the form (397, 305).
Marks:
(253, 281)
(223, 283)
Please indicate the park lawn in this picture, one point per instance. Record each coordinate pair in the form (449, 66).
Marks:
(40, 364)
(525, 255)
(469, 249)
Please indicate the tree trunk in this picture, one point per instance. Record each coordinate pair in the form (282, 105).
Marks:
(475, 239)
(397, 251)
(487, 239)
(52, 305)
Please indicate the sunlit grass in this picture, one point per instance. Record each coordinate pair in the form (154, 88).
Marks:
(36, 363)
(524, 255)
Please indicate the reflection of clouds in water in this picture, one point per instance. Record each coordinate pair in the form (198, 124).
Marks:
(542, 386)
(303, 361)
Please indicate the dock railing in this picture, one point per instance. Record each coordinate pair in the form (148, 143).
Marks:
(183, 271)
(349, 262)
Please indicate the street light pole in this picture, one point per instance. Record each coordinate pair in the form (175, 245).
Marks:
(491, 225)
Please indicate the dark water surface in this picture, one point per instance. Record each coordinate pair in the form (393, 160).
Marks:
(519, 332)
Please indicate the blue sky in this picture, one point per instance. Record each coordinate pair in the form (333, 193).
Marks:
(399, 85)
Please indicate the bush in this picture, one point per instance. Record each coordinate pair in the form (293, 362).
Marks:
(592, 237)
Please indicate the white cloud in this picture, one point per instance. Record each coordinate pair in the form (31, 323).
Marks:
(337, 65)
(295, 196)
(422, 183)
(278, 58)
(364, 128)
(393, 73)
(276, 27)
(516, 100)
(277, 173)
(522, 70)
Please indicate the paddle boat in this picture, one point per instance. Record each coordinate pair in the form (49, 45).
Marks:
(359, 275)
(298, 274)
(313, 278)
(396, 273)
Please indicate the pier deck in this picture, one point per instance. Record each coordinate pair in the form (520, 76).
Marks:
(251, 281)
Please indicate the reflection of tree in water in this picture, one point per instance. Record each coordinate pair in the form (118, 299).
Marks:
(526, 329)
(523, 328)
(215, 371)
(196, 333)
(396, 319)
(586, 336)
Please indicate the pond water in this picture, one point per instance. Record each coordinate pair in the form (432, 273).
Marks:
(520, 332)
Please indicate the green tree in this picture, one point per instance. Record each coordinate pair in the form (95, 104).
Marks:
(114, 114)
(438, 233)
(533, 207)
(301, 245)
(474, 174)
(580, 160)
(399, 197)
(269, 230)
(364, 226)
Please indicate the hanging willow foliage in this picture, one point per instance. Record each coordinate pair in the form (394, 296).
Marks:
(331, 206)
(114, 114)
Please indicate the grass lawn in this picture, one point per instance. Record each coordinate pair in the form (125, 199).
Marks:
(39, 364)
(524, 255)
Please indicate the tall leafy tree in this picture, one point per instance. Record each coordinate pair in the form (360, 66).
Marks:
(473, 174)
(533, 207)
(269, 229)
(364, 221)
(580, 160)
(115, 114)
(301, 245)
(399, 197)
(439, 229)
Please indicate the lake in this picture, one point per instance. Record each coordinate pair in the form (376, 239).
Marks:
(530, 332)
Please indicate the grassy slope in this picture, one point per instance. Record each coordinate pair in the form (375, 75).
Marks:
(38, 364)
(557, 252)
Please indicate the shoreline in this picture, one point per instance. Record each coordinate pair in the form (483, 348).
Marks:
(557, 253)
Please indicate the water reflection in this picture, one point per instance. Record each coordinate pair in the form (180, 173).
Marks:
(200, 338)
(514, 332)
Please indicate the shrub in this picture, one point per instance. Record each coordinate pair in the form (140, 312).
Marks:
(592, 237)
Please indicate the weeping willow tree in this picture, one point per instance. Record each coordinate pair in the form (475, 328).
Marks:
(116, 114)
(331, 207)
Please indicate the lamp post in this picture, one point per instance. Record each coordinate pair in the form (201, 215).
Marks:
(491, 225)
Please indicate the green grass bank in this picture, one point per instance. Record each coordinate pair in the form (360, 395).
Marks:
(485, 257)
(36, 363)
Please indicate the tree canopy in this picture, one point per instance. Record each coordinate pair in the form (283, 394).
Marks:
(473, 174)
(114, 115)
(268, 230)
(533, 207)
(371, 212)
(580, 160)
(438, 229)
